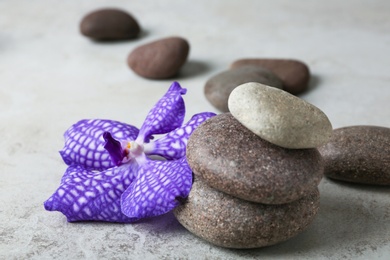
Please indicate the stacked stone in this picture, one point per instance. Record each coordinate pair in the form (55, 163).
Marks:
(256, 169)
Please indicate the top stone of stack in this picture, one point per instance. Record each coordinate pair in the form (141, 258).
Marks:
(279, 117)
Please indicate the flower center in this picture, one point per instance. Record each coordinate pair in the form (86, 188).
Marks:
(132, 150)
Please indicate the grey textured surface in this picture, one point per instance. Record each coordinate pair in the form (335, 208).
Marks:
(51, 77)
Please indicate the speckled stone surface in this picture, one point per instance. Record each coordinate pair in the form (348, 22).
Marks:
(232, 159)
(279, 117)
(159, 59)
(358, 154)
(218, 88)
(294, 73)
(227, 221)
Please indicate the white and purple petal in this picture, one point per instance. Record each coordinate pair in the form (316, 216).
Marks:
(166, 115)
(84, 142)
(86, 195)
(173, 145)
(159, 187)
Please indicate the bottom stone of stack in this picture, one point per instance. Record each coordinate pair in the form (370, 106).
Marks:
(227, 221)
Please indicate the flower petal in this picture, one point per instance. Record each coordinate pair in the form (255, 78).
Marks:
(84, 142)
(166, 115)
(173, 145)
(90, 195)
(157, 189)
(114, 148)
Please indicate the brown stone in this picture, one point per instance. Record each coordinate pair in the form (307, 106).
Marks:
(232, 159)
(109, 24)
(294, 73)
(359, 154)
(219, 87)
(230, 222)
(159, 59)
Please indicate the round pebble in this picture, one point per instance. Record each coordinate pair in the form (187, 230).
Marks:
(226, 221)
(219, 87)
(279, 117)
(359, 154)
(232, 159)
(294, 73)
(159, 59)
(109, 24)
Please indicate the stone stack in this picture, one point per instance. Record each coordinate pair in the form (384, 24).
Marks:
(256, 169)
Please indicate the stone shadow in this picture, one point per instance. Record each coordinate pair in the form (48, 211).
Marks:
(193, 68)
(314, 83)
(143, 34)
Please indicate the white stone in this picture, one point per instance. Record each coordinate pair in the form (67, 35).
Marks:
(279, 117)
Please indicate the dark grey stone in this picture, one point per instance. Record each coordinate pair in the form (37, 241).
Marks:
(219, 87)
(159, 59)
(109, 24)
(359, 154)
(232, 159)
(295, 74)
(230, 222)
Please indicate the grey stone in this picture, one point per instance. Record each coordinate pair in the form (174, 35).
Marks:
(226, 221)
(279, 117)
(219, 87)
(295, 74)
(109, 24)
(159, 59)
(232, 159)
(359, 154)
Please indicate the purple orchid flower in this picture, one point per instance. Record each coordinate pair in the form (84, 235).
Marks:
(111, 174)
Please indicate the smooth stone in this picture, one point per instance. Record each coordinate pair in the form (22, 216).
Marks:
(109, 24)
(232, 159)
(226, 221)
(359, 154)
(295, 74)
(219, 87)
(159, 59)
(279, 117)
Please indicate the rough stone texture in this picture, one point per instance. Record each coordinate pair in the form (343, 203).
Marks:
(279, 117)
(294, 73)
(159, 59)
(232, 159)
(227, 221)
(219, 87)
(109, 24)
(358, 154)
